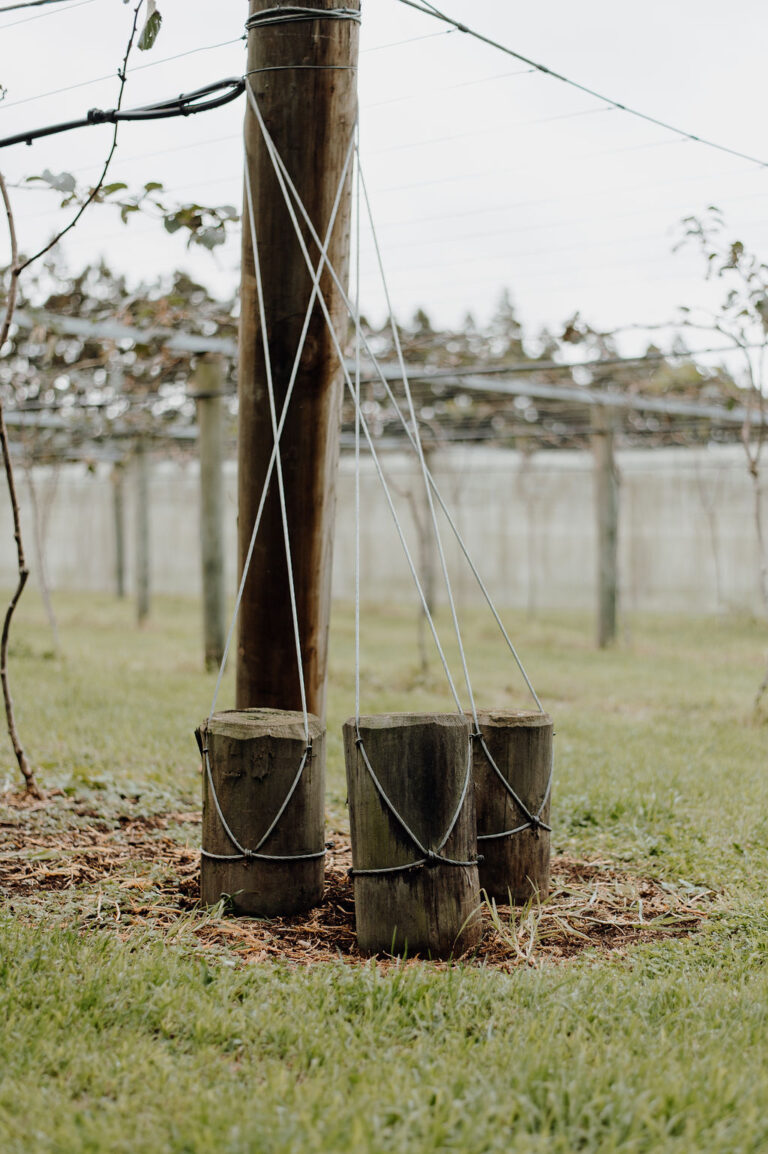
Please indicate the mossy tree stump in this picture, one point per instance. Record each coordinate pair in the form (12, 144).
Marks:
(420, 761)
(513, 868)
(254, 757)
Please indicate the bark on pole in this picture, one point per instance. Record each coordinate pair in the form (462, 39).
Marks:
(607, 516)
(208, 385)
(303, 75)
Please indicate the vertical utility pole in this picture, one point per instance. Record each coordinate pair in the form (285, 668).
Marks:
(118, 509)
(207, 392)
(142, 532)
(303, 74)
(607, 517)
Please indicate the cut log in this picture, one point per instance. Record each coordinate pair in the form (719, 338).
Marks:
(513, 868)
(421, 762)
(254, 757)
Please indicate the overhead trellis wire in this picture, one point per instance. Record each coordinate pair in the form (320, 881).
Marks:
(430, 10)
(130, 72)
(203, 99)
(29, 4)
(42, 15)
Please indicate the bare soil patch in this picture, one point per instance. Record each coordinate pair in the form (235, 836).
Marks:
(69, 861)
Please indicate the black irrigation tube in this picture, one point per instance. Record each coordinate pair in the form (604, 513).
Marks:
(187, 104)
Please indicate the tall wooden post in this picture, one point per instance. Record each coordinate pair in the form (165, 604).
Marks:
(142, 532)
(607, 517)
(207, 392)
(118, 510)
(303, 75)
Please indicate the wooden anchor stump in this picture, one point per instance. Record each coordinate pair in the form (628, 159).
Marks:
(271, 860)
(514, 867)
(416, 889)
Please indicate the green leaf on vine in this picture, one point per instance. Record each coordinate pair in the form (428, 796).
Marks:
(61, 181)
(151, 27)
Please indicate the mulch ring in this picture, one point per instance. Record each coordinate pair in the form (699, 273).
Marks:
(141, 872)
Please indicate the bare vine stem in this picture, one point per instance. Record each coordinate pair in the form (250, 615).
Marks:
(10, 716)
(16, 269)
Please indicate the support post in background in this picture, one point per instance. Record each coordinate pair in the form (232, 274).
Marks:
(607, 518)
(142, 532)
(303, 74)
(118, 511)
(207, 391)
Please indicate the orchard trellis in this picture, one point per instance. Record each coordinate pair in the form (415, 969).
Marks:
(500, 403)
(410, 776)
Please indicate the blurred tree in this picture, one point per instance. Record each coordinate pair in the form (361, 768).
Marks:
(742, 318)
(103, 390)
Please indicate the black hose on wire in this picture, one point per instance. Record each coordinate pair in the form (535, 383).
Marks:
(187, 104)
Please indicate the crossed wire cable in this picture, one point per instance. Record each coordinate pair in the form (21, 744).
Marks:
(290, 194)
(430, 10)
(275, 462)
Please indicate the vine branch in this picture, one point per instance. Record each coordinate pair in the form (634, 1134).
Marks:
(17, 266)
(18, 749)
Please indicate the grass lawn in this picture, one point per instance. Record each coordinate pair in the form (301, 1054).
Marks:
(160, 1039)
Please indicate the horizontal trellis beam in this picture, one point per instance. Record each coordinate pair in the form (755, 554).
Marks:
(469, 379)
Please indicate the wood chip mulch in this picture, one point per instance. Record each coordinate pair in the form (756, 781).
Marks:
(141, 872)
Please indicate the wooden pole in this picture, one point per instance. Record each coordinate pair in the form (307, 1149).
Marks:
(118, 510)
(420, 760)
(207, 392)
(516, 868)
(142, 533)
(607, 517)
(254, 756)
(303, 75)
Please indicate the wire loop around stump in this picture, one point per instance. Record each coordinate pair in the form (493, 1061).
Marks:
(243, 853)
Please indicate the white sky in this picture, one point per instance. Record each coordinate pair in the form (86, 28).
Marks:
(481, 176)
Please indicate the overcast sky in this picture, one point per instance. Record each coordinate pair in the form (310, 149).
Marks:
(482, 174)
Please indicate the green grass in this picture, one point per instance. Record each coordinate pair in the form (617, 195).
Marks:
(111, 1045)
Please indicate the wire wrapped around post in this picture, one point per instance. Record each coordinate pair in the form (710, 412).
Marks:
(414, 846)
(512, 773)
(263, 810)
